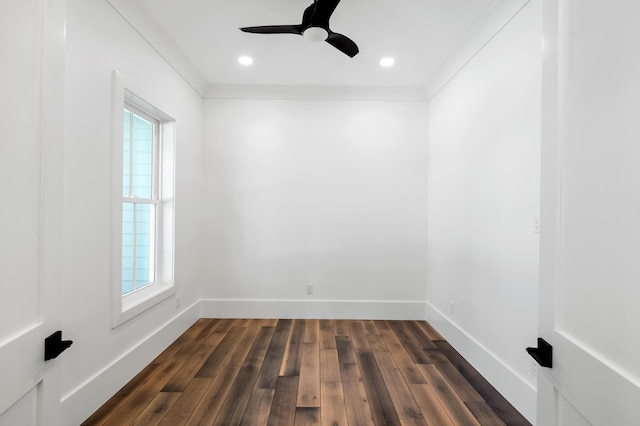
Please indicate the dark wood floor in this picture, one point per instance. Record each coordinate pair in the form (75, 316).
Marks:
(308, 372)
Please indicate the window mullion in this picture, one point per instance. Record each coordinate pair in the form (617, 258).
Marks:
(131, 133)
(134, 248)
(140, 200)
(155, 170)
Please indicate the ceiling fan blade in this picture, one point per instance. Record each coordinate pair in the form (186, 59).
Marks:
(343, 44)
(323, 11)
(308, 15)
(274, 29)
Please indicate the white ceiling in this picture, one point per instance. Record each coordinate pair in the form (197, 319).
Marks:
(419, 34)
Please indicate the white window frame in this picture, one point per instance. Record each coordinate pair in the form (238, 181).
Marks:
(132, 304)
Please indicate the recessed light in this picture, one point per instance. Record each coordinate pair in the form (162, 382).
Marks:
(387, 62)
(245, 60)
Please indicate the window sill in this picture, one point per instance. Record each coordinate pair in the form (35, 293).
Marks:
(136, 303)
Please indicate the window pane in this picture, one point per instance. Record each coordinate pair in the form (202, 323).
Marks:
(126, 154)
(127, 247)
(144, 258)
(142, 157)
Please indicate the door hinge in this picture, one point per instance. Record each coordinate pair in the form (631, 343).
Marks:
(54, 345)
(543, 354)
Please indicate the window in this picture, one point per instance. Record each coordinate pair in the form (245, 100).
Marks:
(143, 205)
(140, 165)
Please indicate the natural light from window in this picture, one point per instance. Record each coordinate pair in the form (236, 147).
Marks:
(139, 192)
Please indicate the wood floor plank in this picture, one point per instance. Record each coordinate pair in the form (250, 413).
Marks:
(341, 328)
(256, 355)
(358, 338)
(370, 328)
(268, 375)
(225, 325)
(141, 397)
(209, 406)
(309, 394)
(157, 408)
(312, 331)
(327, 334)
(403, 400)
(283, 408)
(432, 410)
(238, 396)
(431, 332)
(333, 410)
(115, 403)
(239, 352)
(456, 380)
(496, 401)
(217, 358)
(329, 366)
(382, 408)
(208, 327)
(241, 322)
(183, 377)
(407, 366)
(180, 412)
(377, 343)
(420, 336)
(456, 409)
(382, 325)
(484, 414)
(293, 351)
(356, 401)
(344, 347)
(307, 416)
(309, 384)
(202, 325)
(355, 397)
(258, 408)
(413, 348)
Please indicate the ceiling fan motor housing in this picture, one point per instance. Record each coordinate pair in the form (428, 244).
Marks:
(315, 34)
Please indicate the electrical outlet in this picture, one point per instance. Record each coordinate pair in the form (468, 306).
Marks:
(177, 300)
(309, 288)
(536, 223)
(452, 307)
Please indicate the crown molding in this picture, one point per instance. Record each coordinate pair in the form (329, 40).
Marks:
(488, 26)
(291, 92)
(158, 41)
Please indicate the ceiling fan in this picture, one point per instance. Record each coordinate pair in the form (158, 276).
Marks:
(314, 27)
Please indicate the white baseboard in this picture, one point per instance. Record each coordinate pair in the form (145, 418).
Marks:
(317, 309)
(84, 400)
(513, 387)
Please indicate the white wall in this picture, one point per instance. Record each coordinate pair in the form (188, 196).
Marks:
(484, 160)
(103, 359)
(329, 192)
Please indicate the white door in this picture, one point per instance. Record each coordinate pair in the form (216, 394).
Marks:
(31, 105)
(590, 239)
